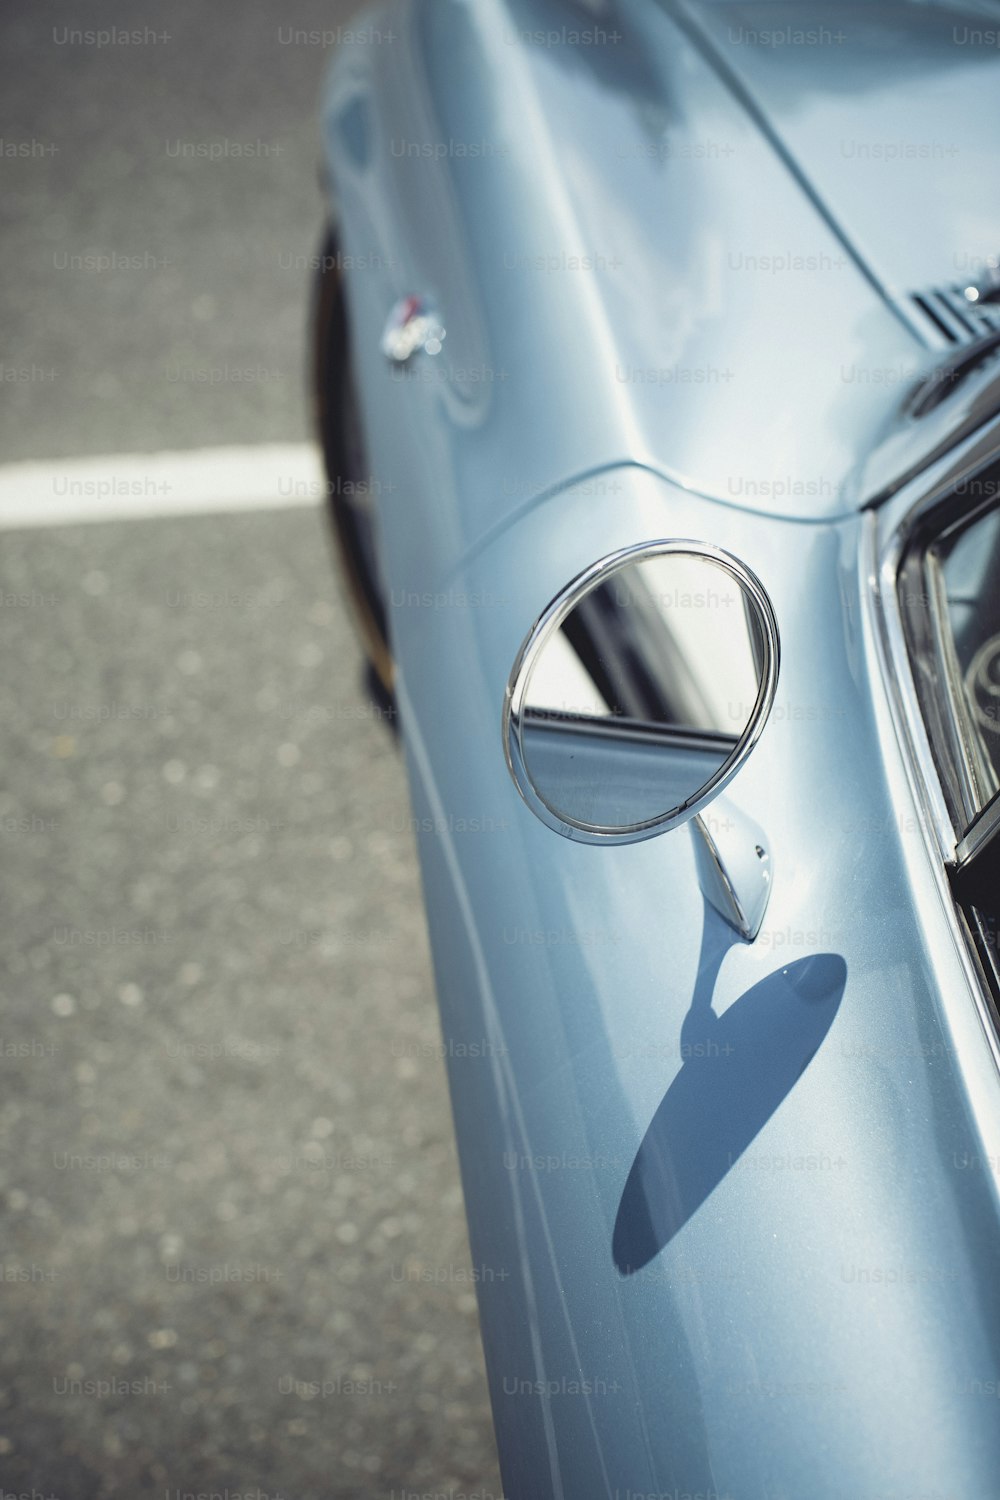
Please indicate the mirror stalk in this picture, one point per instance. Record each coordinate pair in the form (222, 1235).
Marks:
(734, 865)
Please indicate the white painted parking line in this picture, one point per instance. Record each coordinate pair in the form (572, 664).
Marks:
(131, 486)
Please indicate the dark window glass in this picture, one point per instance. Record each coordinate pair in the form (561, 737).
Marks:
(967, 569)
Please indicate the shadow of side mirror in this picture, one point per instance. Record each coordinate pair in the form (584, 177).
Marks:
(738, 1069)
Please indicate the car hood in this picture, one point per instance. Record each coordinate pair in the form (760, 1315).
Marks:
(653, 252)
(889, 112)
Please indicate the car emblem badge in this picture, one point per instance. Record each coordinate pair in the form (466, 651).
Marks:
(411, 326)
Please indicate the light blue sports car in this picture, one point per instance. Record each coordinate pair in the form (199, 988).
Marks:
(658, 378)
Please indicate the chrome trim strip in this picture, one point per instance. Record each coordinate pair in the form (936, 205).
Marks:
(882, 574)
(964, 760)
(939, 834)
(981, 831)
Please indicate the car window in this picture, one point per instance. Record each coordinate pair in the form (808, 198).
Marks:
(965, 572)
(950, 600)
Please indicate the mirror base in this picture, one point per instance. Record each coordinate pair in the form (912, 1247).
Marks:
(734, 865)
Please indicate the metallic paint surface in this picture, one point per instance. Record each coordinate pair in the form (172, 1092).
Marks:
(681, 329)
(749, 1343)
(893, 113)
(823, 1316)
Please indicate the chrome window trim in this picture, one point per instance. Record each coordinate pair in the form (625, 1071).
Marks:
(982, 831)
(884, 542)
(514, 702)
(973, 775)
(882, 567)
(944, 646)
(636, 731)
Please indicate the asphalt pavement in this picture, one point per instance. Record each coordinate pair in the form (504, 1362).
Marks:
(161, 198)
(233, 1257)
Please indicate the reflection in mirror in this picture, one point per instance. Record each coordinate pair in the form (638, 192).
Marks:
(642, 694)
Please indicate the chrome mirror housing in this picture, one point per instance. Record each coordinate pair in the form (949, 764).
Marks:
(640, 691)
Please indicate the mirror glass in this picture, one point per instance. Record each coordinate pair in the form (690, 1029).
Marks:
(638, 691)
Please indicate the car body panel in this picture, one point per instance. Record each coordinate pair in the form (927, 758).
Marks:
(836, 1292)
(678, 323)
(762, 1272)
(863, 98)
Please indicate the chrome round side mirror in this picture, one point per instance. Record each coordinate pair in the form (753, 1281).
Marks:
(640, 691)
